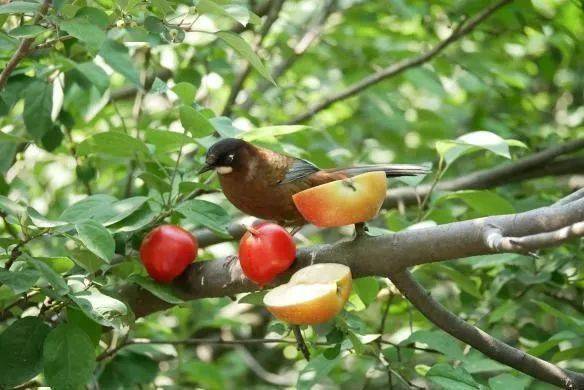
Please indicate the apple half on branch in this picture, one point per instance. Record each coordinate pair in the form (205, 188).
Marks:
(314, 295)
(343, 202)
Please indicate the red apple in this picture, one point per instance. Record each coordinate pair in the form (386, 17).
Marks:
(343, 202)
(266, 251)
(166, 251)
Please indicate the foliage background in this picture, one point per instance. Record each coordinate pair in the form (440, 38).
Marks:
(116, 101)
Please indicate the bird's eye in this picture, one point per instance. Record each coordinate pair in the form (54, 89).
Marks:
(229, 158)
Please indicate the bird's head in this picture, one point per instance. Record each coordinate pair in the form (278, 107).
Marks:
(224, 155)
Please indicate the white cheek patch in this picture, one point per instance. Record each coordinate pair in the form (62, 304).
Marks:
(224, 170)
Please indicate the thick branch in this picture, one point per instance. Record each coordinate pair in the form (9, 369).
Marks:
(490, 346)
(401, 66)
(369, 256)
(24, 48)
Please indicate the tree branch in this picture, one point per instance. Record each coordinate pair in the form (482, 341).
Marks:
(192, 341)
(24, 48)
(497, 241)
(490, 346)
(530, 167)
(401, 66)
(242, 76)
(307, 39)
(368, 256)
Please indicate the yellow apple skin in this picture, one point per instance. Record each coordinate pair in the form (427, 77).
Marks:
(343, 202)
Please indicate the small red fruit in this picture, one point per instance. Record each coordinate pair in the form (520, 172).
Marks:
(265, 251)
(166, 251)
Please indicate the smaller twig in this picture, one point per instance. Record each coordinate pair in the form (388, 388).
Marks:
(24, 48)
(495, 239)
(570, 198)
(300, 344)
(195, 341)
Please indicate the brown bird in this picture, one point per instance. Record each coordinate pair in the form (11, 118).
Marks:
(261, 182)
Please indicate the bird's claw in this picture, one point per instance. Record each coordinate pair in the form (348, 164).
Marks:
(360, 230)
(229, 260)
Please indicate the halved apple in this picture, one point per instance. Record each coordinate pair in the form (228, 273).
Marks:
(314, 295)
(343, 202)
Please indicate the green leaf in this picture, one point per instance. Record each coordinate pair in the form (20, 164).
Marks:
(68, 358)
(162, 291)
(484, 202)
(5, 137)
(575, 320)
(136, 221)
(27, 31)
(97, 207)
(90, 327)
(97, 239)
(194, 122)
(254, 298)
(10, 207)
(154, 25)
(21, 349)
(508, 382)
(367, 289)
(452, 150)
(466, 283)
(159, 86)
(51, 276)
(167, 141)
(438, 341)
(124, 208)
(128, 371)
(270, 132)
(41, 221)
(59, 264)
(19, 7)
(185, 91)
(210, 215)
(94, 74)
(316, 370)
(94, 16)
(451, 378)
(113, 143)
(101, 308)
(38, 104)
(116, 55)
(236, 12)
(85, 31)
(244, 49)
(19, 281)
(487, 140)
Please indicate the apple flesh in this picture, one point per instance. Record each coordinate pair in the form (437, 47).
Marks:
(167, 251)
(265, 251)
(343, 202)
(314, 295)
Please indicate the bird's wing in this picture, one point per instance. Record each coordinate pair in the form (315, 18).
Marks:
(299, 169)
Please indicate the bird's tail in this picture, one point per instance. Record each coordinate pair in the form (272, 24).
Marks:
(391, 170)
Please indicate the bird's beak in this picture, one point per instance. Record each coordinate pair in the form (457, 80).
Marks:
(205, 168)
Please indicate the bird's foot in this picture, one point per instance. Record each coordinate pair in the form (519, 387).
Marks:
(229, 260)
(361, 230)
(295, 230)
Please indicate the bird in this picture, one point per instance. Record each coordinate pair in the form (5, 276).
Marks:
(260, 182)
